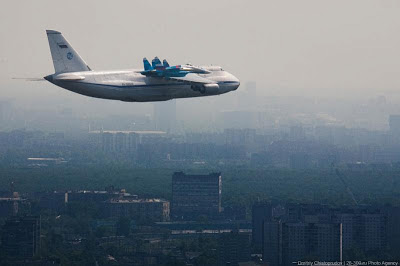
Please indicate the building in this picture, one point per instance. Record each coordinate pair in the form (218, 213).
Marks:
(373, 231)
(56, 201)
(146, 210)
(93, 196)
(321, 241)
(51, 200)
(284, 243)
(20, 237)
(393, 229)
(13, 206)
(312, 230)
(299, 161)
(196, 195)
(363, 230)
(261, 212)
(123, 141)
(271, 242)
(394, 124)
(233, 247)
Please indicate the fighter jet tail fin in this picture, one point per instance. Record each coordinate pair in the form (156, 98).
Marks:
(165, 63)
(65, 58)
(156, 62)
(146, 64)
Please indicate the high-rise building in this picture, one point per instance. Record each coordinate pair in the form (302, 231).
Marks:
(271, 242)
(233, 247)
(195, 195)
(392, 215)
(284, 243)
(20, 237)
(365, 231)
(301, 240)
(261, 212)
(373, 233)
(313, 229)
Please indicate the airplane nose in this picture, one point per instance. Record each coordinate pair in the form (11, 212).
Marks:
(237, 82)
(49, 78)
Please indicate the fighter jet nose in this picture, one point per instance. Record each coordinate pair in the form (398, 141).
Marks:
(49, 78)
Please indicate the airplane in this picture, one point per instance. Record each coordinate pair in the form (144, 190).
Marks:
(157, 82)
(165, 70)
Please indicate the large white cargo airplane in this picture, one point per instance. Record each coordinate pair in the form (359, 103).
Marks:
(157, 82)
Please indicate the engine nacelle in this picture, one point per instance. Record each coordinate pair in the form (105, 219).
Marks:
(206, 88)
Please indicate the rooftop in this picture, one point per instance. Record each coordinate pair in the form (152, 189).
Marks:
(136, 200)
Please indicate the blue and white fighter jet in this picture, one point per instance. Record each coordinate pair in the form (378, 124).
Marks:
(157, 82)
(165, 70)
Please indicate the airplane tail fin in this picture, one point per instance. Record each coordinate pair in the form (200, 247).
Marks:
(156, 62)
(65, 58)
(146, 64)
(165, 63)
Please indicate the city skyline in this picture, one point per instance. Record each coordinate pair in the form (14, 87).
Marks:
(299, 164)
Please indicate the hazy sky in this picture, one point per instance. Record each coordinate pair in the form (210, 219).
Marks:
(288, 47)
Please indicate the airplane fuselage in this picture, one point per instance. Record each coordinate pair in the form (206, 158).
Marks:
(132, 86)
(157, 82)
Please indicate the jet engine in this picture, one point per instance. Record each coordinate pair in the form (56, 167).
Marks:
(206, 88)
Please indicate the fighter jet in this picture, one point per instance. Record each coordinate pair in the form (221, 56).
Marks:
(157, 82)
(164, 70)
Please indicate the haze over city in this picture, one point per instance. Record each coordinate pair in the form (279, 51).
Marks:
(301, 162)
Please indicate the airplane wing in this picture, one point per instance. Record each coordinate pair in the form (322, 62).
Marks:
(193, 78)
